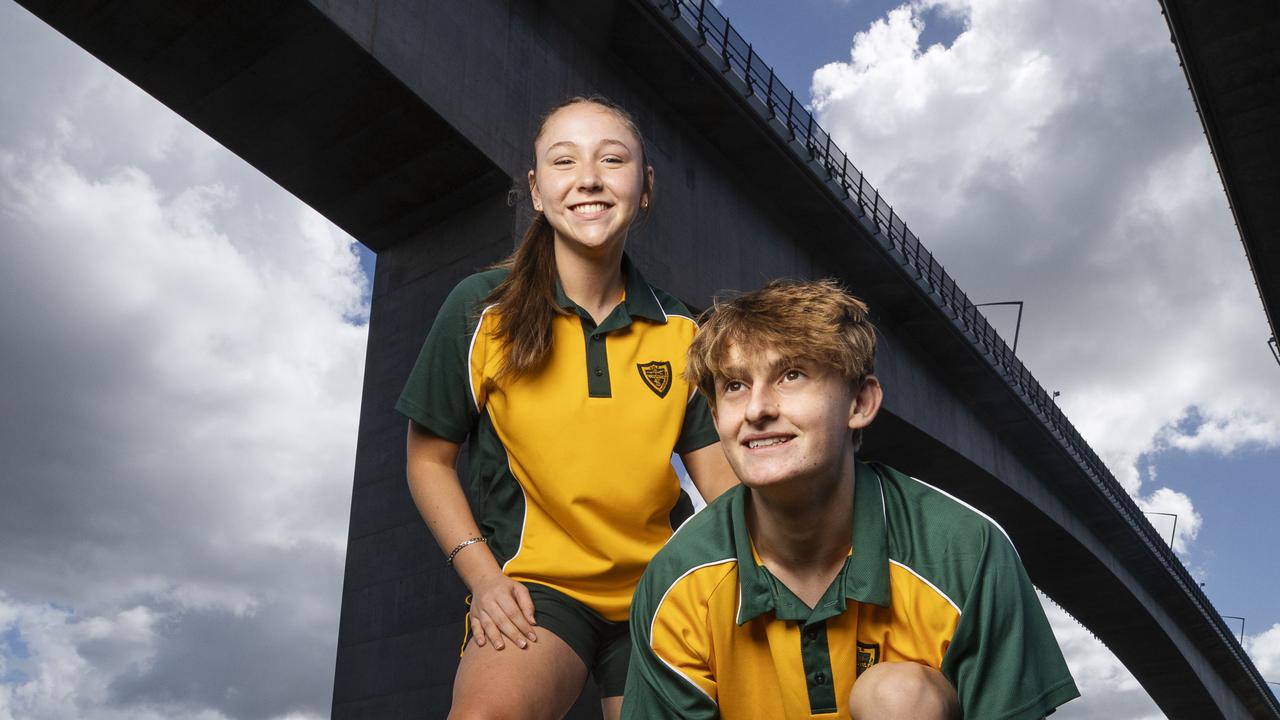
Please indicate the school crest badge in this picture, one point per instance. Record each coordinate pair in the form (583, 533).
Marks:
(868, 655)
(656, 376)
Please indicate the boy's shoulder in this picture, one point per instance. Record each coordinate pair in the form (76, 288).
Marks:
(939, 535)
(705, 539)
(919, 502)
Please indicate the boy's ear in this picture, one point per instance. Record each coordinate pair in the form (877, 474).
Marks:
(866, 403)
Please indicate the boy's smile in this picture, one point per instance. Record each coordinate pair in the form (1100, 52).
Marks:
(782, 420)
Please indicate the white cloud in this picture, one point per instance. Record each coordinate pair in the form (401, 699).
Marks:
(184, 350)
(1057, 140)
(1264, 648)
(1183, 527)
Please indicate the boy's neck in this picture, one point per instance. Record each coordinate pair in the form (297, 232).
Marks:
(805, 540)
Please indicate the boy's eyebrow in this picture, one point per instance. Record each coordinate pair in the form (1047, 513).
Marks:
(728, 371)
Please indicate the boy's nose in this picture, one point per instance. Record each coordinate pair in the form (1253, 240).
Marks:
(763, 404)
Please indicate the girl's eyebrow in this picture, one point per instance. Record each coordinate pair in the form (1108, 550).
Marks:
(571, 145)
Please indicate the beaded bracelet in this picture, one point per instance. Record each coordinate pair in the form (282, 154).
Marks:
(457, 548)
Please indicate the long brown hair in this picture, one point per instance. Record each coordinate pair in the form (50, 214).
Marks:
(526, 300)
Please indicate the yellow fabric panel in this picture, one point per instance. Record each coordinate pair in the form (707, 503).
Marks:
(485, 358)
(916, 627)
(777, 691)
(756, 670)
(595, 472)
(685, 623)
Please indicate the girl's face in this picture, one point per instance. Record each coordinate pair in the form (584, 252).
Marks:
(590, 178)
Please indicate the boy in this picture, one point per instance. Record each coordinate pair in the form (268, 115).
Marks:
(820, 570)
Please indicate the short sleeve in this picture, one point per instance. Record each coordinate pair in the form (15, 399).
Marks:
(698, 429)
(1003, 659)
(655, 691)
(439, 392)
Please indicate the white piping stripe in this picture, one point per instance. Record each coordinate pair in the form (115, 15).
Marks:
(737, 615)
(922, 579)
(987, 517)
(659, 304)
(470, 350)
(658, 611)
(884, 511)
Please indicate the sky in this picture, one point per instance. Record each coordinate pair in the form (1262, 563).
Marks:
(184, 341)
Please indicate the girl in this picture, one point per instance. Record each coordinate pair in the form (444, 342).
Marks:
(564, 368)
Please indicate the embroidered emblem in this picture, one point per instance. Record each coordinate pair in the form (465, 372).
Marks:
(868, 655)
(656, 375)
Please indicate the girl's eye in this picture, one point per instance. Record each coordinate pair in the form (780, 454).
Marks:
(613, 160)
(562, 161)
(732, 386)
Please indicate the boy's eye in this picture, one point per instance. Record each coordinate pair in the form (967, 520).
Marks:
(562, 161)
(732, 386)
(613, 160)
(792, 374)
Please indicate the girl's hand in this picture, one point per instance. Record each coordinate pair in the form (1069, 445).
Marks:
(501, 608)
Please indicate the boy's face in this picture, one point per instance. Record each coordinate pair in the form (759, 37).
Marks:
(786, 421)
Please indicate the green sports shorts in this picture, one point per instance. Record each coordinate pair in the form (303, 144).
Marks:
(603, 645)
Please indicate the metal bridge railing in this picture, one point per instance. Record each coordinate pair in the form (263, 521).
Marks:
(714, 31)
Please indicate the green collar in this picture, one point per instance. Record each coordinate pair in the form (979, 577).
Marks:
(641, 301)
(864, 577)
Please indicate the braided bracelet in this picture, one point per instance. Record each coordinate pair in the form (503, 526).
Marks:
(457, 548)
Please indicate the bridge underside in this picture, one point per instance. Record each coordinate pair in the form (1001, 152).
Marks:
(1232, 61)
(405, 124)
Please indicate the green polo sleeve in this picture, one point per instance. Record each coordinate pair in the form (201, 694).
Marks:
(655, 691)
(698, 430)
(1003, 659)
(438, 394)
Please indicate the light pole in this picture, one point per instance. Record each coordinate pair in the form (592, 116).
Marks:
(1018, 327)
(1173, 534)
(1236, 617)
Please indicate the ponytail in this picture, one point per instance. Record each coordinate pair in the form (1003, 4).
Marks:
(526, 301)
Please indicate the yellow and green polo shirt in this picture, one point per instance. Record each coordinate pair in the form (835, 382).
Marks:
(928, 580)
(570, 467)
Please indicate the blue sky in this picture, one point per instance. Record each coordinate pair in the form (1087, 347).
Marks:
(185, 341)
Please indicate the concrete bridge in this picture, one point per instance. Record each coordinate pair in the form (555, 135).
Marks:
(409, 122)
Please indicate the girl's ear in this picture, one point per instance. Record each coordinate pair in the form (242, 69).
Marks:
(647, 196)
(533, 192)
